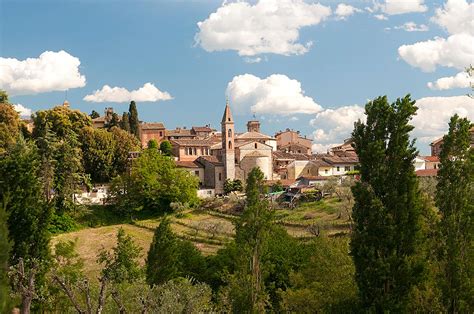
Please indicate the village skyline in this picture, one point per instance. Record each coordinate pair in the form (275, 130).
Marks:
(313, 73)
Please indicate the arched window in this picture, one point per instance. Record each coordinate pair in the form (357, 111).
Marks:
(229, 133)
(230, 144)
(256, 146)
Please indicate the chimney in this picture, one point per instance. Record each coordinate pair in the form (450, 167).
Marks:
(253, 126)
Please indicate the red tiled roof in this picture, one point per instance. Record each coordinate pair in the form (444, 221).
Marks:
(192, 142)
(201, 129)
(152, 126)
(431, 158)
(211, 159)
(313, 178)
(427, 173)
(341, 160)
(188, 164)
(290, 156)
(284, 182)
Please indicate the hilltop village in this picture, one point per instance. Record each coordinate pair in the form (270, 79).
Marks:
(286, 157)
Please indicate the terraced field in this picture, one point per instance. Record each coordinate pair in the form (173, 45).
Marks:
(208, 230)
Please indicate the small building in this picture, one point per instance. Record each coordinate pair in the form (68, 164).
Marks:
(190, 149)
(151, 131)
(291, 141)
(436, 145)
(344, 150)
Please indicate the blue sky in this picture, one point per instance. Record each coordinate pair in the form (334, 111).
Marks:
(352, 58)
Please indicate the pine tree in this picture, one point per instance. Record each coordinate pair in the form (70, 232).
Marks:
(114, 121)
(94, 114)
(162, 259)
(387, 210)
(166, 148)
(125, 123)
(455, 200)
(133, 120)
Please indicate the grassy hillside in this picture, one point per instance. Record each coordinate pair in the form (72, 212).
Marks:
(208, 229)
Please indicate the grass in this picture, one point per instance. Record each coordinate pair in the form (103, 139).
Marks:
(208, 230)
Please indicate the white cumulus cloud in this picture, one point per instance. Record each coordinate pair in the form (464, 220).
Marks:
(456, 16)
(22, 110)
(344, 10)
(268, 26)
(456, 51)
(51, 71)
(460, 80)
(333, 126)
(433, 115)
(276, 94)
(147, 93)
(393, 7)
(381, 17)
(413, 27)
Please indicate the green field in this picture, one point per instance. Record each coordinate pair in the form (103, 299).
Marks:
(208, 229)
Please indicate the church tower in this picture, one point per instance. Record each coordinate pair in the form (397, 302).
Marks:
(228, 149)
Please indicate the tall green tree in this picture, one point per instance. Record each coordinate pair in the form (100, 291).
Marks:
(29, 214)
(133, 119)
(98, 150)
(125, 123)
(387, 211)
(5, 247)
(252, 231)
(162, 260)
(9, 122)
(115, 121)
(60, 120)
(455, 200)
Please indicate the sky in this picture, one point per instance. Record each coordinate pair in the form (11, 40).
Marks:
(301, 64)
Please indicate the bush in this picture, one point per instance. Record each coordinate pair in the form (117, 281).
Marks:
(62, 223)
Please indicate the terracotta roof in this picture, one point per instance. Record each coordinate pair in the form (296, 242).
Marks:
(436, 141)
(341, 160)
(290, 156)
(99, 119)
(427, 173)
(284, 182)
(216, 146)
(314, 178)
(211, 159)
(152, 126)
(192, 142)
(188, 164)
(178, 132)
(253, 135)
(250, 142)
(255, 154)
(320, 163)
(431, 158)
(293, 145)
(201, 129)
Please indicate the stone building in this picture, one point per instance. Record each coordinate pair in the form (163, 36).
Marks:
(291, 141)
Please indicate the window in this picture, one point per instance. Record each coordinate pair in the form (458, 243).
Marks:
(229, 133)
(326, 171)
(196, 172)
(194, 151)
(256, 145)
(347, 168)
(338, 168)
(230, 144)
(185, 151)
(161, 133)
(220, 176)
(190, 151)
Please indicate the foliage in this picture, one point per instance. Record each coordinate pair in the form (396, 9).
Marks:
(326, 284)
(162, 259)
(5, 247)
(94, 114)
(60, 120)
(233, 186)
(122, 264)
(125, 123)
(152, 144)
(28, 214)
(9, 124)
(114, 121)
(133, 119)
(98, 148)
(124, 143)
(62, 223)
(154, 182)
(277, 187)
(386, 238)
(455, 200)
(3, 97)
(166, 148)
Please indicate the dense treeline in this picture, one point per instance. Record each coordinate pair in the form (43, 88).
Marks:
(407, 252)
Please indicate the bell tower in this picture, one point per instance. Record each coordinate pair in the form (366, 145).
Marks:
(228, 149)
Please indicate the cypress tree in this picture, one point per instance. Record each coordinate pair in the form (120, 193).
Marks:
(455, 200)
(114, 121)
(162, 259)
(133, 119)
(125, 124)
(387, 210)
